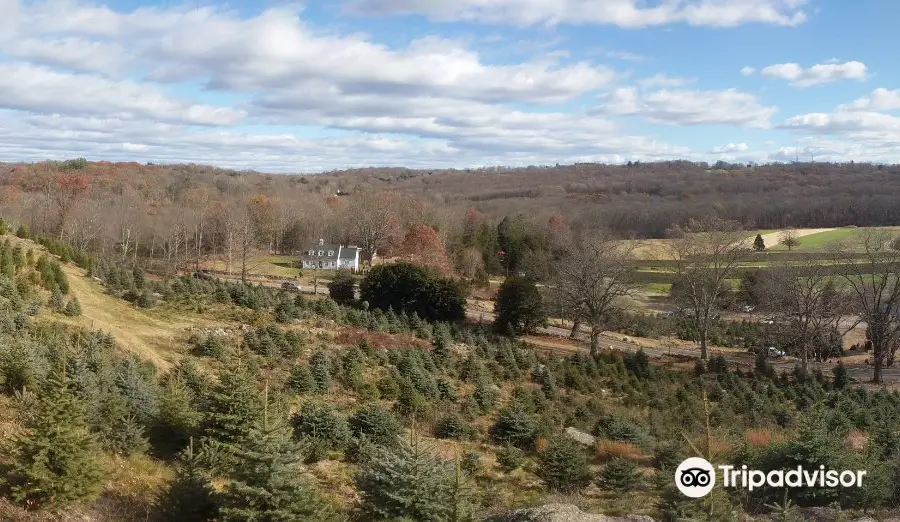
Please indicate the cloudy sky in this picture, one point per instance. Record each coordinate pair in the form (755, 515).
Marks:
(316, 85)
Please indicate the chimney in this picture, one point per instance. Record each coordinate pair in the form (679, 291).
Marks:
(321, 242)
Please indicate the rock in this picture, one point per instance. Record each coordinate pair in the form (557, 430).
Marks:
(579, 436)
(561, 513)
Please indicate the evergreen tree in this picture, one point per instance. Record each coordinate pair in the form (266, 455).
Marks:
(58, 461)
(136, 380)
(322, 423)
(376, 424)
(73, 308)
(190, 497)
(520, 305)
(232, 409)
(408, 481)
(841, 377)
(621, 476)
(884, 439)
(515, 426)
(563, 466)
(413, 289)
(342, 288)
(302, 381)
(266, 483)
(56, 300)
(759, 244)
(177, 421)
(510, 458)
(440, 350)
(320, 367)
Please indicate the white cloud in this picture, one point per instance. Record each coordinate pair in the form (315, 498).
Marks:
(683, 107)
(662, 80)
(842, 122)
(625, 56)
(748, 71)
(431, 102)
(817, 74)
(278, 50)
(622, 13)
(73, 53)
(37, 89)
(57, 137)
(730, 148)
(880, 100)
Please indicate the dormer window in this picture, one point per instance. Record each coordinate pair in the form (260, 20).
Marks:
(321, 253)
(312, 252)
(331, 253)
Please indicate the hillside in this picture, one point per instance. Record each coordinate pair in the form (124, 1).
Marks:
(640, 200)
(364, 397)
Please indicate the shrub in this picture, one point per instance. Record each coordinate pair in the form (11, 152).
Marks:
(621, 476)
(342, 288)
(320, 366)
(322, 423)
(563, 466)
(56, 300)
(515, 426)
(510, 458)
(73, 308)
(58, 434)
(452, 427)
(377, 424)
(614, 427)
(414, 290)
(406, 482)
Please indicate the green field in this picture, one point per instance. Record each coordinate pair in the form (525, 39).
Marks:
(819, 242)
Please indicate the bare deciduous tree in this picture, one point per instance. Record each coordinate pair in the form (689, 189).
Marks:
(374, 219)
(592, 277)
(789, 238)
(706, 253)
(803, 295)
(871, 269)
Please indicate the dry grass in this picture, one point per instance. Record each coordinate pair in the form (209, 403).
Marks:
(152, 335)
(605, 450)
(857, 439)
(378, 340)
(760, 438)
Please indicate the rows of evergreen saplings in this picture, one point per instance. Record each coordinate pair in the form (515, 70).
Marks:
(269, 409)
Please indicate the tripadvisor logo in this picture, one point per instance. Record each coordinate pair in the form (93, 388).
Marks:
(695, 477)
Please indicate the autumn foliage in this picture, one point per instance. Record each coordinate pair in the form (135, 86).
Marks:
(423, 246)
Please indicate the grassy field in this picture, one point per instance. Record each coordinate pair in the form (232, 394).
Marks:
(279, 266)
(819, 242)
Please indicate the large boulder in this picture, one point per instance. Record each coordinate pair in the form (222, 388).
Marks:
(585, 439)
(561, 513)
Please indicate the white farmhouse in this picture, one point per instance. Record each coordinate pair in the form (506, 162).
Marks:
(331, 256)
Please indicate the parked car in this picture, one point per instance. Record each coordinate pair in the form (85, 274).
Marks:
(748, 308)
(204, 275)
(290, 286)
(774, 352)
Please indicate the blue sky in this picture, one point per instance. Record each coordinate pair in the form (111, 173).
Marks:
(312, 86)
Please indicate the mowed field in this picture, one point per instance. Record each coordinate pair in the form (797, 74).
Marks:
(818, 242)
(812, 240)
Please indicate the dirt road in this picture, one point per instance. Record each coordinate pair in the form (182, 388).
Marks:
(556, 340)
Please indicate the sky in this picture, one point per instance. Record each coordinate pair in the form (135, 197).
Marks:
(320, 85)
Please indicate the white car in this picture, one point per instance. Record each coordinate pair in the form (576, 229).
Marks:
(774, 352)
(748, 308)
